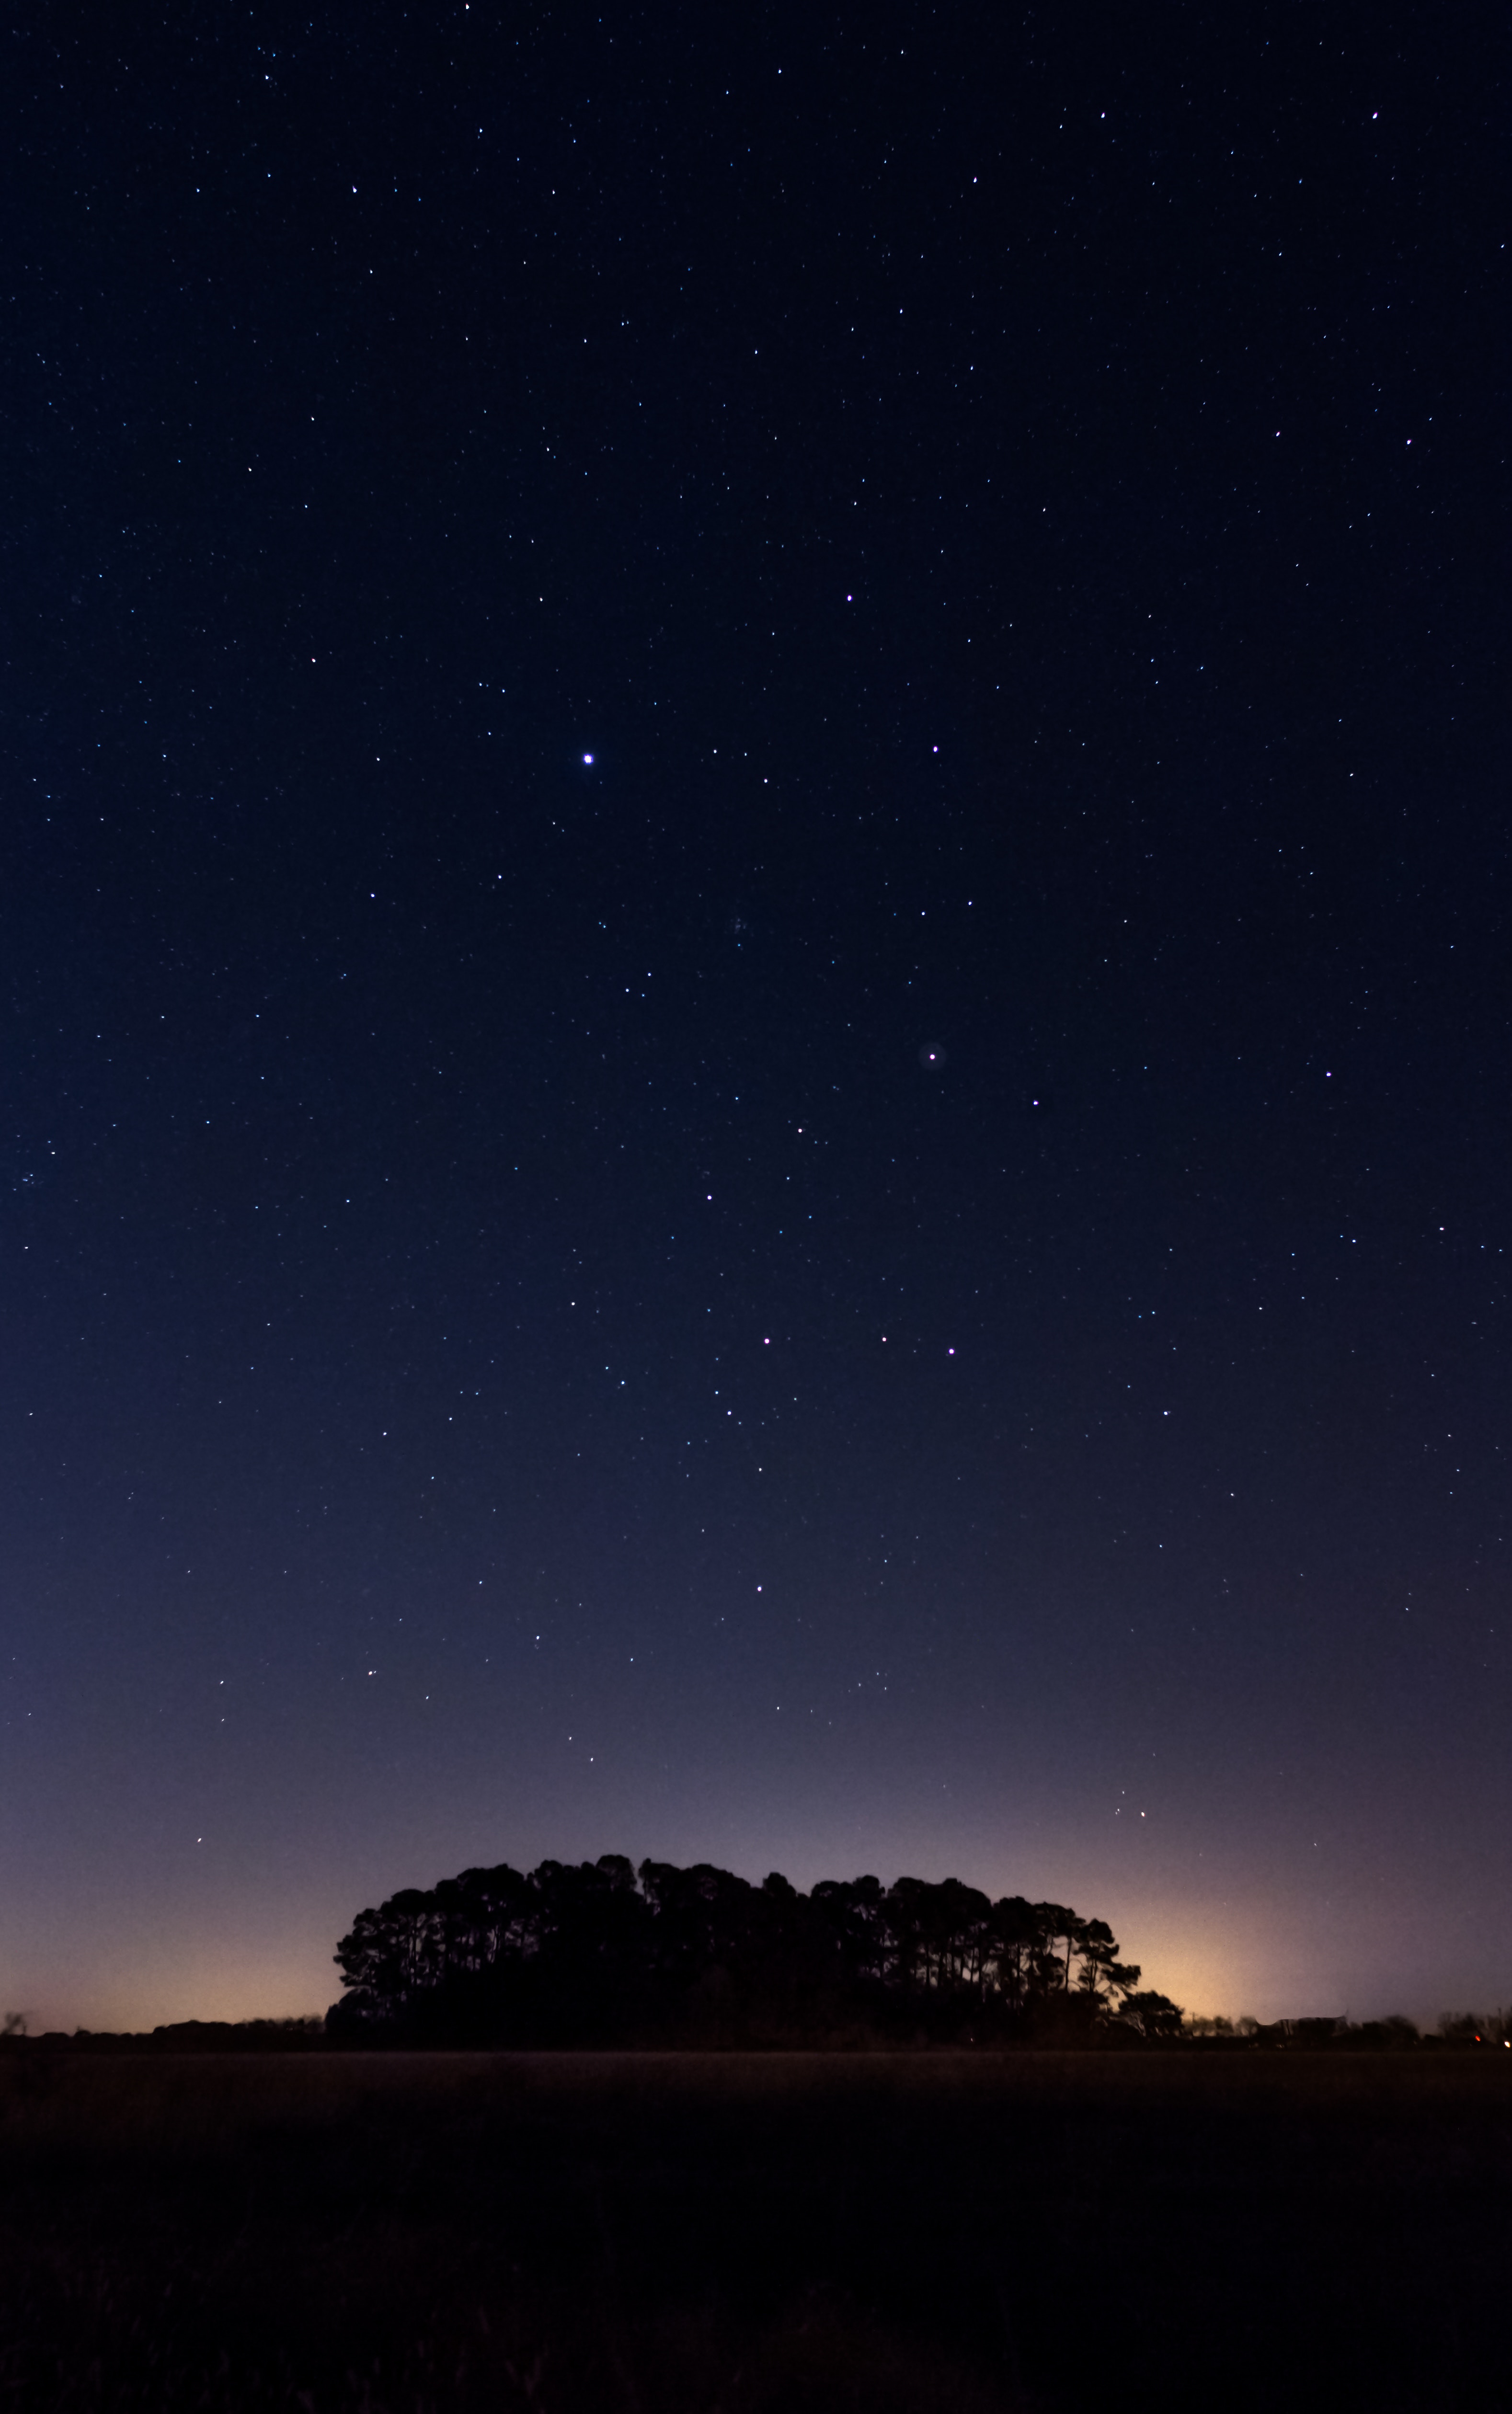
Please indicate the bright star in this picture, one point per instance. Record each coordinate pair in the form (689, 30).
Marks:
(588, 758)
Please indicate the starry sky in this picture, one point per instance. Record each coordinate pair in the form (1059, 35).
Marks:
(754, 1101)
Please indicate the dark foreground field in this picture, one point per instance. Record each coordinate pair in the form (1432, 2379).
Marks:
(747, 2231)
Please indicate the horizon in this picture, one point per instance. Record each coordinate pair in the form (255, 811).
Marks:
(136, 2009)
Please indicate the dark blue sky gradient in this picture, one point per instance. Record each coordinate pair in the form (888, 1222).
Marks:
(903, 1271)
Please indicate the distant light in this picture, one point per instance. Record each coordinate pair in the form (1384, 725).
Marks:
(588, 758)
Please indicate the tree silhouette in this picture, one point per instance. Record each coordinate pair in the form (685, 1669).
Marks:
(1152, 2016)
(598, 1952)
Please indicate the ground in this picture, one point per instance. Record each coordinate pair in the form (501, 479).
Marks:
(393, 2234)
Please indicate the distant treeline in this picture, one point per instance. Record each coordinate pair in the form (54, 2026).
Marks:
(601, 1953)
(1457, 2029)
(172, 2036)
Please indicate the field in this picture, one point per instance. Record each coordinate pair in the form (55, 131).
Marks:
(659, 2233)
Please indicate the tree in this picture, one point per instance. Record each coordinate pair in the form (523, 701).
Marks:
(1102, 1970)
(1015, 1944)
(1056, 1926)
(1151, 2015)
(391, 1954)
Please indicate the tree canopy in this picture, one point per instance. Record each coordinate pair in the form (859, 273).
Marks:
(600, 1952)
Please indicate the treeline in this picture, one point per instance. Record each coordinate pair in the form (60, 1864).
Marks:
(601, 1953)
(1392, 2033)
(172, 2036)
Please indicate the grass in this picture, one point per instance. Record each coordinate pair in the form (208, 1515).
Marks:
(750, 2233)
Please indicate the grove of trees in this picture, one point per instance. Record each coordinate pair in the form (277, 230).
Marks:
(601, 1953)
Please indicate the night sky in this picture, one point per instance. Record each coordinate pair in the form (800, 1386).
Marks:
(755, 1074)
